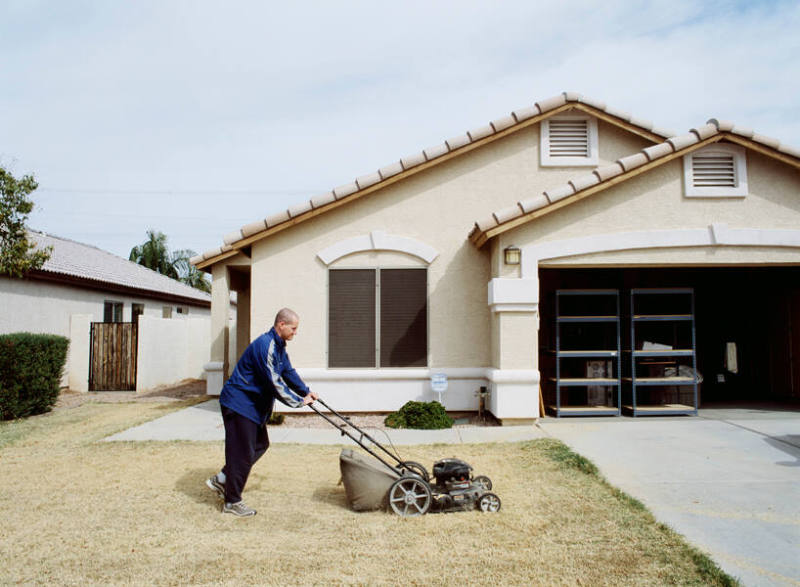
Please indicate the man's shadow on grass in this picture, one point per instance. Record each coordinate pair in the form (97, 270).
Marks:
(193, 485)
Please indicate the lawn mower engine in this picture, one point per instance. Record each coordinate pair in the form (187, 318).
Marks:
(456, 489)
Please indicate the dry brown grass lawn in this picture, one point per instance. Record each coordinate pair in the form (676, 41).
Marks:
(77, 510)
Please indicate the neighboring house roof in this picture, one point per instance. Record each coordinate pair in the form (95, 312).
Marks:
(88, 266)
(604, 177)
(424, 159)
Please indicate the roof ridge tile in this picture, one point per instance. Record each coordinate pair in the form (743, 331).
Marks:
(551, 103)
(503, 123)
(458, 141)
(559, 192)
(412, 160)
(367, 180)
(232, 237)
(768, 141)
(345, 190)
(277, 218)
(323, 199)
(481, 132)
(301, 208)
(436, 151)
(633, 161)
(683, 141)
(392, 169)
(526, 113)
(659, 150)
(534, 203)
(608, 171)
(584, 181)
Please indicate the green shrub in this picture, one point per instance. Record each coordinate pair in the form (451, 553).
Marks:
(420, 415)
(276, 419)
(30, 373)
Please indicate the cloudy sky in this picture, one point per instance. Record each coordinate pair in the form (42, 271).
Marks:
(196, 117)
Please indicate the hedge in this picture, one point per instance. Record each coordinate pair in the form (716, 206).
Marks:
(30, 373)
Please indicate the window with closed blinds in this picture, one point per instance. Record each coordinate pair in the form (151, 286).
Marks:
(378, 318)
(718, 170)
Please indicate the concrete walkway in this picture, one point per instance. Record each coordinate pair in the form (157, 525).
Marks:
(204, 422)
(728, 480)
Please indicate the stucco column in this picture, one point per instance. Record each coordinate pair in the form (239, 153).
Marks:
(514, 304)
(217, 368)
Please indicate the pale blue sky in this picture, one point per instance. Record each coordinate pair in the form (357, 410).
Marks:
(196, 117)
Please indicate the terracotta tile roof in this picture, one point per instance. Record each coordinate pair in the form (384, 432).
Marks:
(506, 123)
(509, 217)
(85, 262)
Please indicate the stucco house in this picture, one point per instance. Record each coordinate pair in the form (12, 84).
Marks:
(568, 256)
(80, 284)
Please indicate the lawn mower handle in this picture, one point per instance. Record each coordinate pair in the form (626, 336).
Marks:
(343, 429)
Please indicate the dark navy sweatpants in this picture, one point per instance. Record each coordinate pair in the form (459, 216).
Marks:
(245, 443)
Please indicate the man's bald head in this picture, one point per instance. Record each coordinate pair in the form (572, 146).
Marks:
(286, 315)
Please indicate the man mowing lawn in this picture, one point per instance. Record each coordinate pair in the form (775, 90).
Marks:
(263, 374)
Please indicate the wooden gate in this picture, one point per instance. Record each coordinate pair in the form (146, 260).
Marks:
(112, 356)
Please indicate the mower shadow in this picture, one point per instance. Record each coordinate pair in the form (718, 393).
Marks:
(333, 496)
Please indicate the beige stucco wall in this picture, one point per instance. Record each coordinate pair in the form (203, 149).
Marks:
(171, 350)
(437, 207)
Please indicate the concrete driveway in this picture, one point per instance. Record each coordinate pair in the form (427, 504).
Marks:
(728, 480)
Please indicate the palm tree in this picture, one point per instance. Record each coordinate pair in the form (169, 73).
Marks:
(188, 273)
(153, 254)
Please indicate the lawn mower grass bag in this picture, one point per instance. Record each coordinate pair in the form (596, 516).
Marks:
(366, 482)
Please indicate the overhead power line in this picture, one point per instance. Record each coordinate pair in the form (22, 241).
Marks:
(161, 192)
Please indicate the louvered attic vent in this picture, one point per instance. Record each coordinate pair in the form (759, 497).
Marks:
(569, 141)
(569, 138)
(718, 170)
(713, 170)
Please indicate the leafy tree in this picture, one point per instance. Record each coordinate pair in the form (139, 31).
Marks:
(154, 254)
(17, 253)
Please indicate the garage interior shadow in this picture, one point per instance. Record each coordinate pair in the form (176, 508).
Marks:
(747, 322)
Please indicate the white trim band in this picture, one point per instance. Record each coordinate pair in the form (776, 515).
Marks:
(378, 240)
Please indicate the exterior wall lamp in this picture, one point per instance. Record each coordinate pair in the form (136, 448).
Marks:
(512, 255)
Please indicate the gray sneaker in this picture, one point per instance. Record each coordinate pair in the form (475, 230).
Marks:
(238, 509)
(214, 484)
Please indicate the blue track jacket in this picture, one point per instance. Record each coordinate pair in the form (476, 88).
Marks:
(263, 374)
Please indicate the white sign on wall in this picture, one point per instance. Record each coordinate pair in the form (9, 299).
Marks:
(439, 384)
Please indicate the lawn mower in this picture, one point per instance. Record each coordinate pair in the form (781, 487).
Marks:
(405, 486)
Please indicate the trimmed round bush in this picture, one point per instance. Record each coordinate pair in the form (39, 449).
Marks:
(421, 416)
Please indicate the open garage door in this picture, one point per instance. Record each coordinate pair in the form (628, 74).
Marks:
(747, 324)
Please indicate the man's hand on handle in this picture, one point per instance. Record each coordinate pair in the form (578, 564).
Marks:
(310, 398)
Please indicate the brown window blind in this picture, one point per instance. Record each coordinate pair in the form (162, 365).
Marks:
(404, 318)
(351, 320)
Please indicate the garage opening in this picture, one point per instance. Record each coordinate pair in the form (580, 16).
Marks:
(746, 320)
